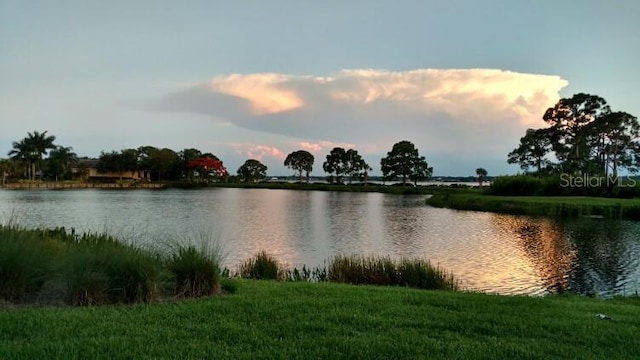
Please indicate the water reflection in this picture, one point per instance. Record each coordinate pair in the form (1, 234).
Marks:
(608, 256)
(488, 252)
(402, 228)
(544, 243)
(586, 256)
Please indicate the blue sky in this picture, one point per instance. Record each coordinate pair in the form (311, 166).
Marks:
(460, 79)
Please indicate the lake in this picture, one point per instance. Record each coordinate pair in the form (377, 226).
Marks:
(488, 252)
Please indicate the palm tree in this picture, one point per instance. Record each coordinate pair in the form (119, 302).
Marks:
(482, 173)
(30, 150)
(60, 160)
(21, 153)
(40, 143)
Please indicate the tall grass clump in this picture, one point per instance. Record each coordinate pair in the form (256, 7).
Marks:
(261, 266)
(195, 272)
(24, 263)
(422, 274)
(375, 270)
(83, 273)
(355, 269)
(98, 269)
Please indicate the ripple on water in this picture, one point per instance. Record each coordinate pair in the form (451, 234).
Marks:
(487, 252)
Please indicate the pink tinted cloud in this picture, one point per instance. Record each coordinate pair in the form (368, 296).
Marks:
(323, 146)
(259, 152)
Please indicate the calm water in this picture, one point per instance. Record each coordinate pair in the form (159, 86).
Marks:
(488, 252)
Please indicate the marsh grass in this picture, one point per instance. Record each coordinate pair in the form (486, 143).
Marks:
(195, 272)
(99, 269)
(420, 274)
(24, 264)
(262, 266)
(377, 270)
(193, 264)
(50, 266)
(91, 269)
(553, 206)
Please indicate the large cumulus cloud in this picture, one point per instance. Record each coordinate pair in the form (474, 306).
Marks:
(471, 111)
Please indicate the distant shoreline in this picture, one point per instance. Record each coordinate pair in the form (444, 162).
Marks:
(67, 185)
(547, 206)
(371, 187)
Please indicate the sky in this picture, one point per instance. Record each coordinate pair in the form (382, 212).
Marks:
(462, 80)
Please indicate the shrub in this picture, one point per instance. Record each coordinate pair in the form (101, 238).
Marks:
(517, 185)
(261, 266)
(195, 272)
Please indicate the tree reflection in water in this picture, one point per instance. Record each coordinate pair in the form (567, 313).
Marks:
(585, 256)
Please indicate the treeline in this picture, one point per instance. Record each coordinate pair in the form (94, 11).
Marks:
(584, 136)
(585, 150)
(27, 161)
(164, 164)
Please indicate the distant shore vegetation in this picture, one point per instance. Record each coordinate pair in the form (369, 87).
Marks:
(36, 157)
(584, 138)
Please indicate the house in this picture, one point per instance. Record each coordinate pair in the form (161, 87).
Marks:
(87, 170)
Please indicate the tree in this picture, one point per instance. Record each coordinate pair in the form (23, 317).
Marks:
(21, 154)
(404, 160)
(186, 156)
(252, 170)
(30, 150)
(300, 161)
(208, 166)
(355, 166)
(118, 161)
(532, 151)
(129, 159)
(341, 163)
(585, 137)
(482, 173)
(614, 142)
(335, 164)
(421, 171)
(157, 161)
(60, 161)
(569, 130)
(6, 166)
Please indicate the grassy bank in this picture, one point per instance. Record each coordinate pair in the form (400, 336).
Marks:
(53, 266)
(266, 319)
(555, 206)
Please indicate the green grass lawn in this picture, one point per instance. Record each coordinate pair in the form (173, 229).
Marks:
(264, 319)
(559, 206)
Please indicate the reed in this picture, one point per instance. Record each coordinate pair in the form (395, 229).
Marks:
(262, 266)
(195, 272)
(24, 263)
(376, 270)
(95, 269)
